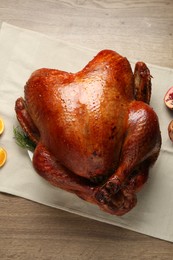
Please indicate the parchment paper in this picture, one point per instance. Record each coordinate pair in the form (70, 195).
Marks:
(22, 52)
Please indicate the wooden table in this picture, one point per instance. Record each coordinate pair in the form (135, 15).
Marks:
(141, 30)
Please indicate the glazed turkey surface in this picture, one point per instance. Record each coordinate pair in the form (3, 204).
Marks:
(94, 130)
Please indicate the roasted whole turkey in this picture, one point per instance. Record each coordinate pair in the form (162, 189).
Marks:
(95, 133)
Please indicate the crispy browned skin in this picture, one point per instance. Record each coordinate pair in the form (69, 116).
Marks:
(93, 137)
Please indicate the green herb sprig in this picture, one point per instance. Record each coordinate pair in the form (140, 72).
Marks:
(22, 139)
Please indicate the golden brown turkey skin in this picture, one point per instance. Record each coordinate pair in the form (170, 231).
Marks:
(93, 137)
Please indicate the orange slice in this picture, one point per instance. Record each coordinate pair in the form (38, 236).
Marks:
(3, 156)
(1, 126)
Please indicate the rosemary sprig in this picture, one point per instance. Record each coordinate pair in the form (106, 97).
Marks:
(22, 139)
